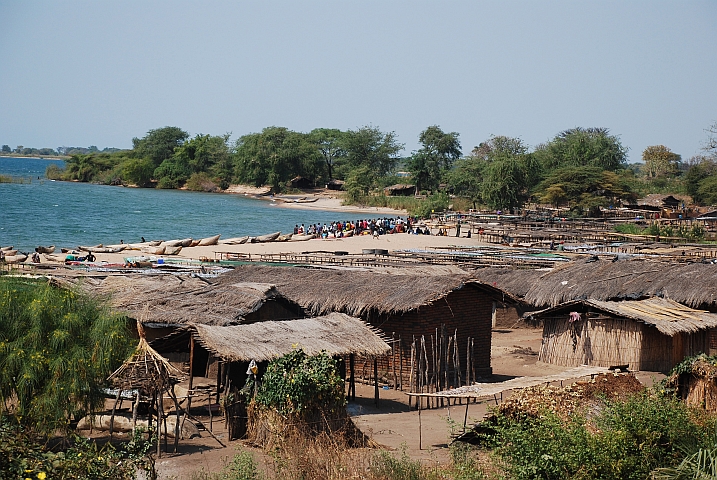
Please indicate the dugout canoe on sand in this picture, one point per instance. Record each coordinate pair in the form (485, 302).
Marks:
(234, 241)
(41, 249)
(172, 250)
(101, 248)
(155, 250)
(301, 238)
(16, 258)
(267, 238)
(284, 238)
(205, 242)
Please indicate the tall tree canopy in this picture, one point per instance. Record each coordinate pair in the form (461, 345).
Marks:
(159, 144)
(369, 146)
(660, 161)
(201, 154)
(584, 189)
(275, 156)
(583, 147)
(329, 142)
(435, 157)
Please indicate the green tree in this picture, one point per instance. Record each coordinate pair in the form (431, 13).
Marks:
(329, 142)
(57, 347)
(660, 161)
(201, 154)
(466, 178)
(138, 171)
(504, 184)
(698, 179)
(434, 158)
(584, 189)
(6, 149)
(275, 156)
(159, 144)
(583, 147)
(369, 146)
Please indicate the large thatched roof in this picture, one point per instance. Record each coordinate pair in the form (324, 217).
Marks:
(515, 281)
(692, 284)
(669, 317)
(173, 299)
(337, 334)
(320, 291)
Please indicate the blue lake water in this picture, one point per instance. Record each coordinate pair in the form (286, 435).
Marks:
(67, 214)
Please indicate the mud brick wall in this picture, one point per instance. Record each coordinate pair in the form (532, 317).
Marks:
(468, 310)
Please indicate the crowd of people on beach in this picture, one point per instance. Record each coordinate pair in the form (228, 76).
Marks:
(373, 226)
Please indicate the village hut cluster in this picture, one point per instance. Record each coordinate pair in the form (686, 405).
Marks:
(418, 321)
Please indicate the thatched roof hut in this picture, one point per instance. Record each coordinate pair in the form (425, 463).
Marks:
(653, 334)
(406, 307)
(336, 333)
(172, 300)
(692, 284)
(356, 293)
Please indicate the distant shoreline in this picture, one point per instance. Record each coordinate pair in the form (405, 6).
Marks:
(37, 157)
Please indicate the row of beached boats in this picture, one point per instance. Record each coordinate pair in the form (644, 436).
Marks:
(173, 247)
(158, 247)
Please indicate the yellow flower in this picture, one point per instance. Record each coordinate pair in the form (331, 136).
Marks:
(42, 475)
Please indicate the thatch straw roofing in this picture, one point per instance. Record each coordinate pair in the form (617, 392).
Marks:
(336, 333)
(320, 291)
(145, 369)
(516, 281)
(669, 317)
(694, 285)
(171, 299)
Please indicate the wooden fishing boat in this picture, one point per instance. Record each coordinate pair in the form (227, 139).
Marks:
(10, 253)
(16, 258)
(101, 248)
(41, 249)
(173, 243)
(302, 238)
(172, 250)
(205, 242)
(284, 238)
(5, 249)
(234, 241)
(154, 250)
(267, 238)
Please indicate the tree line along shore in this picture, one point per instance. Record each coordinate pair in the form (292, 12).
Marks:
(581, 169)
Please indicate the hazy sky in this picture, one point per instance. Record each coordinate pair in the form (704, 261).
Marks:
(86, 73)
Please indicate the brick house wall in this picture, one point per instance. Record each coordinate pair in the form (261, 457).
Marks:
(467, 310)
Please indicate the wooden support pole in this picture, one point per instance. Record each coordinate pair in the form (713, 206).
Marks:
(191, 373)
(375, 380)
(114, 408)
(352, 379)
(420, 429)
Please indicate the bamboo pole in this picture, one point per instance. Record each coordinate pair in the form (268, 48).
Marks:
(412, 370)
(393, 359)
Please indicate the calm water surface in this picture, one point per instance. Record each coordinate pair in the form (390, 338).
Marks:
(67, 214)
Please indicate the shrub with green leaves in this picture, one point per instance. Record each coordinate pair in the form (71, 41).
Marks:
(57, 347)
(297, 382)
(21, 456)
(622, 439)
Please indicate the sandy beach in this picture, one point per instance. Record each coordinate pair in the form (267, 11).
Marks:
(352, 245)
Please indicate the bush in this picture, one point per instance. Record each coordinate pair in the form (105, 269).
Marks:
(23, 457)
(625, 439)
(298, 383)
(201, 182)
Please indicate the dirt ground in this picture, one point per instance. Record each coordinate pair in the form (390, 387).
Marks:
(392, 424)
